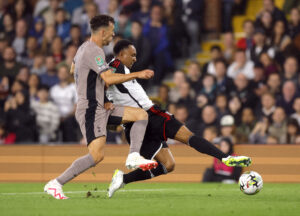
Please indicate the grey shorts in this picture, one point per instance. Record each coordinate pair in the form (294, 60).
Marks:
(93, 121)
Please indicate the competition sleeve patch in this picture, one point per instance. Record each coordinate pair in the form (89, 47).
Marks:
(101, 63)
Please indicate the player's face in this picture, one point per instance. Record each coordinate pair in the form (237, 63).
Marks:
(128, 56)
(108, 34)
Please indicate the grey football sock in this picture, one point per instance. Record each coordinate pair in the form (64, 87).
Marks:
(137, 134)
(78, 166)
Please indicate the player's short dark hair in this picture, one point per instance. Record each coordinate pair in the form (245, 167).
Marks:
(101, 21)
(121, 45)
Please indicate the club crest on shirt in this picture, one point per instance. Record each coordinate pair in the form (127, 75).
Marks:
(99, 60)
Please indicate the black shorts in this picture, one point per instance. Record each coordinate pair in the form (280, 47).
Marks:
(161, 126)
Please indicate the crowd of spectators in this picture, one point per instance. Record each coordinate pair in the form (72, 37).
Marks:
(248, 92)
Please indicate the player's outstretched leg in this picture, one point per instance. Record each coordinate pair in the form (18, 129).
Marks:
(119, 179)
(95, 155)
(202, 145)
(139, 117)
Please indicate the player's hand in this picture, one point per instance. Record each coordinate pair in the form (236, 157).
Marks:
(109, 106)
(145, 74)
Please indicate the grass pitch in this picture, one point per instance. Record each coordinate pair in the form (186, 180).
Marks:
(151, 199)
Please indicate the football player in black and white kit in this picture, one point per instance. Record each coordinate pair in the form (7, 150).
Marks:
(161, 126)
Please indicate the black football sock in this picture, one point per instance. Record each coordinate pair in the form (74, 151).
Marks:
(139, 175)
(203, 146)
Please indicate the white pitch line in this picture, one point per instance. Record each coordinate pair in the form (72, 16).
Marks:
(78, 192)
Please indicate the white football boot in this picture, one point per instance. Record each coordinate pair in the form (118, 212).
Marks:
(135, 160)
(116, 183)
(55, 189)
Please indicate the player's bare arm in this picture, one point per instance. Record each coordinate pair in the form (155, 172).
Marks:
(115, 78)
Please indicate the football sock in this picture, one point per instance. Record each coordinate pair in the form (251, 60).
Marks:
(78, 166)
(139, 175)
(137, 134)
(203, 146)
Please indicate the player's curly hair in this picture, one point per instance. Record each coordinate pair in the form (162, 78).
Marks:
(120, 45)
(101, 21)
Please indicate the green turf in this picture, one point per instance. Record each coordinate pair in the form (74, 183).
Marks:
(152, 199)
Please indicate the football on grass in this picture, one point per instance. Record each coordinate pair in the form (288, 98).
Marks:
(250, 183)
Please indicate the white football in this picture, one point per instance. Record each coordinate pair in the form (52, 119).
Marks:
(250, 183)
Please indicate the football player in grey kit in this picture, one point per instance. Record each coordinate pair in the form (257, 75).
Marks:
(162, 125)
(92, 76)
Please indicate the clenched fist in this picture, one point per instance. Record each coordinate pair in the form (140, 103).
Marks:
(145, 74)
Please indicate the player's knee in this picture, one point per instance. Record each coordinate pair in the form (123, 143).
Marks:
(170, 166)
(98, 157)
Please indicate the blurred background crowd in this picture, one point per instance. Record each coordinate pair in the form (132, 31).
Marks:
(226, 68)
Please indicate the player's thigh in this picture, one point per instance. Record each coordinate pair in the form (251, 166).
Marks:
(132, 114)
(165, 157)
(96, 148)
(183, 134)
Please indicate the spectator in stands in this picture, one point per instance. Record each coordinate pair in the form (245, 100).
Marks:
(5, 136)
(294, 25)
(64, 96)
(20, 9)
(221, 105)
(241, 66)
(229, 46)
(69, 56)
(259, 133)
(47, 116)
(210, 134)
(278, 128)
(142, 46)
(30, 53)
(10, 67)
(123, 24)
(280, 38)
(244, 91)
(235, 107)
(19, 117)
(224, 84)
(114, 9)
(271, 140)
(33, 83)
(194, 76)
(38, 66)
(215, 54)
(19, 41)
(276, 13)
(163, 96)
(63, 26)
(267, 107)
(37, 30)
(17, 86)
(274, 84)
(57, 49)
(186, 96)
(293, 130)
(23, 74)
(192, 19)
(260, 46)
(247, 42)
(90, 10)
(220, 172)
(209, 88)
(290, 69)
(287, 98)
(268, 63)
(265, 22)
(227, 129)
(9, 27)
(247, 124)
(143, 14)
(48, 37)
(177, 33)
(209, 118)
(296, 107)
(178, 79)
(75, 38)
(49, 13)
(259, 82)
(157, 33)
(49, 78)
(201, 101)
